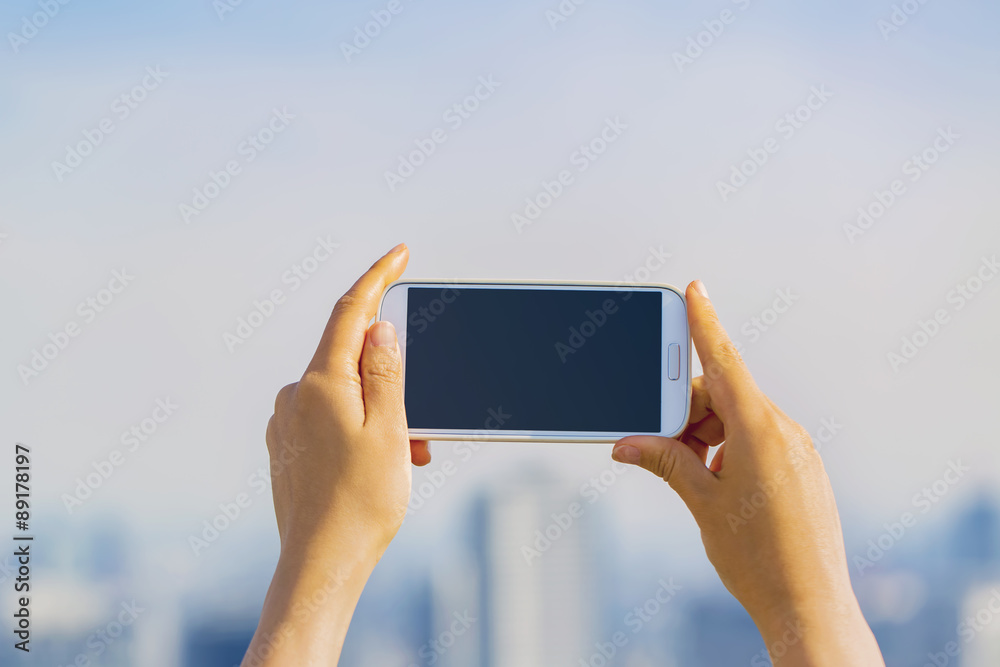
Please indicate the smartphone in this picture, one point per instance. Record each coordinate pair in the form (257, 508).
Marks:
(539, 361)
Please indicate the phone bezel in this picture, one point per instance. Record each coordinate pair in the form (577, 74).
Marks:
(393, 305)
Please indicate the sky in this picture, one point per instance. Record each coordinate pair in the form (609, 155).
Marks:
(879, 97)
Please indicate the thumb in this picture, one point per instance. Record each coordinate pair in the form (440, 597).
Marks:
(670, 459)
(382, 376)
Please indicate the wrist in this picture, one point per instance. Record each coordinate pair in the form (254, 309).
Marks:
(317, 584)
(347, 549)
(829, 631)
(337, 537)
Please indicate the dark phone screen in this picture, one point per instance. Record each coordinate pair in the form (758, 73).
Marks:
(550, 359)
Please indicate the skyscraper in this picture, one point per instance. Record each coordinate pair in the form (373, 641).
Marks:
(536, 591)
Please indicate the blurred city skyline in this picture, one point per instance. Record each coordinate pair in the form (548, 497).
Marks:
(513, 581)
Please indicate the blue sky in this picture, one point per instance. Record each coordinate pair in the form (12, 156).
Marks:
(658, 186)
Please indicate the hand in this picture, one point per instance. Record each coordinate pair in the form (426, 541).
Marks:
(764, 505)
(341, 476)
(338, 437)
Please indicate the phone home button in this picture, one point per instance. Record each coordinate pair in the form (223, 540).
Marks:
(673, 361)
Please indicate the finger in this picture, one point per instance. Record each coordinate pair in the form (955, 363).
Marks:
(270, 435)
(701, 401)
(695, 432)
(697, 446)
(340, 347)
(382, 377)
(731, 389)
(709, 430)
(717, 459)
(672, 460)
(420, 452)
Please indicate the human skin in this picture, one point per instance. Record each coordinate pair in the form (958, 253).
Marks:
(341, 474)
(341, 477)
(785, 562)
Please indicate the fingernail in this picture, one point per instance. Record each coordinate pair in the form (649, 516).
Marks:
(625, 454)
(700, 287)
(398, 248)
(383, 334)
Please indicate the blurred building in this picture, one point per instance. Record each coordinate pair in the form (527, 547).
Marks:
(533, 542)
(975, 539)
(707, 621)
(529, 580)
(221, 643)
(979, 627)
(84, 605)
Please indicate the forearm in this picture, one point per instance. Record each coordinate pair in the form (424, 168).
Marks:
(825, 634)
(309, 605)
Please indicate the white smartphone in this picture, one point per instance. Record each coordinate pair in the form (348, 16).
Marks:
(541, 361)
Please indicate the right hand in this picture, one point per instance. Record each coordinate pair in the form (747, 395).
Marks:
(764, 505)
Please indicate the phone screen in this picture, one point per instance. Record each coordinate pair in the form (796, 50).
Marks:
(538, 359)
